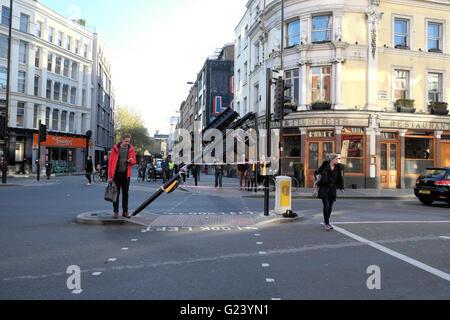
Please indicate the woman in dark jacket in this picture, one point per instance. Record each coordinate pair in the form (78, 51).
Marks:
(89, 169)
(330, 178)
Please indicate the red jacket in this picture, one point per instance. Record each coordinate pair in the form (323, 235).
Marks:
(114, 157)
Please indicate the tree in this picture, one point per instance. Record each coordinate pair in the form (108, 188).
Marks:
(126, 121)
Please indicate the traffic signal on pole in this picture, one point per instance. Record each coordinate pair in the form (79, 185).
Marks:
(2, 127)
(288, 101)
(283, 104)
(278, 100)
(42, 133)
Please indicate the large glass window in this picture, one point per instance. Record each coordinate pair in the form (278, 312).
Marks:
(321, 28)
(35, 116)
(47, 117)
(434, 36)
(20, 114)
(65, 93)
(434, 87)
(401, 79)
(24, 19)
(292, 77)
(293, 33)
(49, 89)
(66, 67)
(3, 47)
(73, 95)
(50, 34)
(419, 154)
(58, 65)
(352, 152)
(21, 82)
(49, 62)
(56, 91)
(37, 58)
(3, 77)
(36, 85)
(72, 122)
(74, 70)
(5, 16)
(39, 29)
(63, 120)
(55, 120)
(22, 52)
(60, 39)
(401, 33)
(321, 83)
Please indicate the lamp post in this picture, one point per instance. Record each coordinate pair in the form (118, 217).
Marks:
(8, 80)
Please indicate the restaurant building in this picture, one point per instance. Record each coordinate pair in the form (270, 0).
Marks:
(349, 63)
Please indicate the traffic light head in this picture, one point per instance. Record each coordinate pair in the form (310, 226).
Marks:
(288, 101)
(42, 133)
(278, 99)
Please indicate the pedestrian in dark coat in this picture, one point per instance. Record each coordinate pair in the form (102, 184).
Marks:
(330, 178)
(89, 168)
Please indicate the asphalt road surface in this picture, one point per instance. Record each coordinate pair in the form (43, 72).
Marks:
(379, 249)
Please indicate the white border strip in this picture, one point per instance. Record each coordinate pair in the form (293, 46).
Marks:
(380, 222)
(397, 255)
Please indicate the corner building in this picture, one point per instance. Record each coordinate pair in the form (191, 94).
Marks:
(361, 56)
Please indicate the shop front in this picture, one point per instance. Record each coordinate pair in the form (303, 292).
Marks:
(66, 154)
(377, 150)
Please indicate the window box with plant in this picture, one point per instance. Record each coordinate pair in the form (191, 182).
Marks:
(438, 108)
(320, 105)
(405, 105)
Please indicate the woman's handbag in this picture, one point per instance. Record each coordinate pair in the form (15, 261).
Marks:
(111, 192)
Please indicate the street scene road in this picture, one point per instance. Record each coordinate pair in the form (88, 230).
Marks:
(212, 244)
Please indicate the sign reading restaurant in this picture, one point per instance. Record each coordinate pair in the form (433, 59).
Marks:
(414, 125)
(312, 122)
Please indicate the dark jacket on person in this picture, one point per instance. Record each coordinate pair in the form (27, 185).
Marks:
(330, 180)
(89, 166)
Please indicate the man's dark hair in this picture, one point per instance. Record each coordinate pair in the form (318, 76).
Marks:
(126, 135)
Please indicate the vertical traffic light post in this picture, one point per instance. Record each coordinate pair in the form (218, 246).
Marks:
(268, 137)
(283, 106)
(42, 137)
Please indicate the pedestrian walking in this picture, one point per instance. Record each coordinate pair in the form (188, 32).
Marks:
(104, 168)
(252, 171)
(121, 160)
(218, 174)
(329, 178)
(48, 169)
(89, 168)
(242, 167)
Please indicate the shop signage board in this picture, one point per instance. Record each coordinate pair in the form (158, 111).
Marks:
(414, 125)
(63, 142)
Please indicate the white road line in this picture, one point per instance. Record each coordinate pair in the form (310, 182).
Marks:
(112, 259)
(265, 265)
(259, 243)
(134, 240)
(77, 291)
(262, 252)
(257, 234)
(380, 222)
(395, 254)
(270, 280)
(124, 248)
(96, 273)
(275, 299)
(444, 237)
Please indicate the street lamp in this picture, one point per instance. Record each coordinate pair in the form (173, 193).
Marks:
(8, 80)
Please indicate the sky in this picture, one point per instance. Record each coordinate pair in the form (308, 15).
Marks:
(155, 47)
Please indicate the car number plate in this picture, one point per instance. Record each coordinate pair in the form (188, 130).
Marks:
(424, 191)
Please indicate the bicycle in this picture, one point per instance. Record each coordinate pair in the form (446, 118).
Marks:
(99, 176)
(151, 174)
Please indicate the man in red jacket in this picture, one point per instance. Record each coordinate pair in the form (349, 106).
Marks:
(119, 170)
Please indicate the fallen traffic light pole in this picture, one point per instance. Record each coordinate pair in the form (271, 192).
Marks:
(221, 123)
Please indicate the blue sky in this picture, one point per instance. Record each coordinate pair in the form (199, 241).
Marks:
(155, 47)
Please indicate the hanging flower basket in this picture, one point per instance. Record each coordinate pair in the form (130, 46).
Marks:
(438, 108)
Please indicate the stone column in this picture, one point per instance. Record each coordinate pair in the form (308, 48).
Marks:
(29, 87)
(338, 81)
(337, 139)
(303, 87)
(14, 64)
(437, 152)
(402, 134)
(43, 86)
(303, 147)
(373, 16)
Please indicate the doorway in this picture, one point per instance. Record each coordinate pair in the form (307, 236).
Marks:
(316, 154)
(389, 165)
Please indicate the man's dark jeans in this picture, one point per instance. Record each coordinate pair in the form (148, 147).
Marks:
(218, 180)
(122, 182)
(327, 208)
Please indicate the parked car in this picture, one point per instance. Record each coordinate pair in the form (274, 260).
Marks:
(433, 185)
